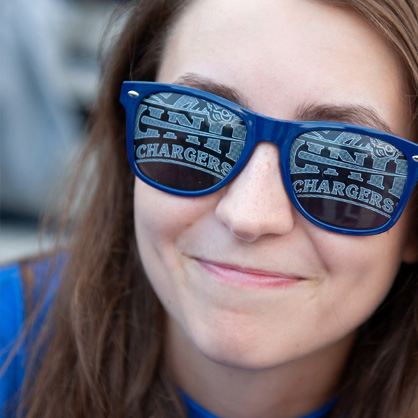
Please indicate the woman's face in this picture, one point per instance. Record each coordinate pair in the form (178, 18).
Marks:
(244, 278)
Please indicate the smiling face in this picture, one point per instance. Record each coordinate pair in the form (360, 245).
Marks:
(245, 279)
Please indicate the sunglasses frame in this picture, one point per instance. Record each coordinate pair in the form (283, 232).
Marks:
(262, 128)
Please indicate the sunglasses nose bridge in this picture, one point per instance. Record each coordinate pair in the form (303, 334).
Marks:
(271, 130)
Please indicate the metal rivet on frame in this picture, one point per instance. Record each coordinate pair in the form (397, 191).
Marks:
(415, 158)
(133, 93)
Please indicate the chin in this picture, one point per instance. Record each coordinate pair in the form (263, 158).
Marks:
(240, 351)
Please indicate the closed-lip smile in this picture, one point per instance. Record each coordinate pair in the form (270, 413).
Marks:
(253, 277)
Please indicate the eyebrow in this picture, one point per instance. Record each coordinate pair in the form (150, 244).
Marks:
(206, 84)
(354, 114)
(350, 113)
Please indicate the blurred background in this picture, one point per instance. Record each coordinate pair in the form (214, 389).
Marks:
(49, 72)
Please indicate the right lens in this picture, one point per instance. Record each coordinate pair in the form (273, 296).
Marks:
(346, 179)
(186, 143)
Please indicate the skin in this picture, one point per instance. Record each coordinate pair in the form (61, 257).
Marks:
(262, 306)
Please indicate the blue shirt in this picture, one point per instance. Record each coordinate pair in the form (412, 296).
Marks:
(12, 314)
(196, 411)
(11, 320)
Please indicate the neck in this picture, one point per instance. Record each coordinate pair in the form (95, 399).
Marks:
(285, 390)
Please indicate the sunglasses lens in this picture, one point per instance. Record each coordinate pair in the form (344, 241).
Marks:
(347, 180)
(186, 143)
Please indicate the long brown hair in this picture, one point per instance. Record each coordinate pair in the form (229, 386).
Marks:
(105, 332)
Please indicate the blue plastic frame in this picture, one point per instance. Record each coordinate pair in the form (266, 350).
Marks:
(265, 129)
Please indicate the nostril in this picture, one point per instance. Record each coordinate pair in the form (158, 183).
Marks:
(242, 231)
(251, 223)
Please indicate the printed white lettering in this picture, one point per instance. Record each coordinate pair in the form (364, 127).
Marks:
(364, 195)
(190, 154)
(213, 163)
(323, 187)
(361, 158)
(310, 186)
(338, 188)
(388, 205)
(192, 139)
(344, 155)
(168, 151)
(201, 158)
(164, 151)
(176, 152)
(235, 150)
(226, 168)
(352, 191)
(375, 199)
(155, 112)
(152, 150)
(181, 119)
(142, 147)
(297, 183)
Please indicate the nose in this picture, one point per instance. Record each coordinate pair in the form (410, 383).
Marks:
(255, 203)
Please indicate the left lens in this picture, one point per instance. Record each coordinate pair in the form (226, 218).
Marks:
(186, 143)
(346, 179)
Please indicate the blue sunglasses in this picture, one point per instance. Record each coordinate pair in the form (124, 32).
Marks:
(343, 178)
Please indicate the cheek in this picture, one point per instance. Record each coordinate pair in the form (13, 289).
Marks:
(157, 222)
(362, 271)
(157, 225)
(161, 223)
(162, 218)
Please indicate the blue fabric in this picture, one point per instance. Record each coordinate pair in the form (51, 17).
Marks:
(12, 314)
(11, 322)
(196, 411)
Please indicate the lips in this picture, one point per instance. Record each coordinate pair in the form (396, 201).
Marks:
(248, 276)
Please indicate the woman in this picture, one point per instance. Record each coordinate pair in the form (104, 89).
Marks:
(288, 288)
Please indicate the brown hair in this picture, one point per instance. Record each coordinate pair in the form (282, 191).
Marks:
(104, 358)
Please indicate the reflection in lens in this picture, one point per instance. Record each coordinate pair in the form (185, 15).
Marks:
(346, 179)
(185, 142)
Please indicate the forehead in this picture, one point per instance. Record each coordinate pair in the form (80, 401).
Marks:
(295, 50)
(291, 33)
